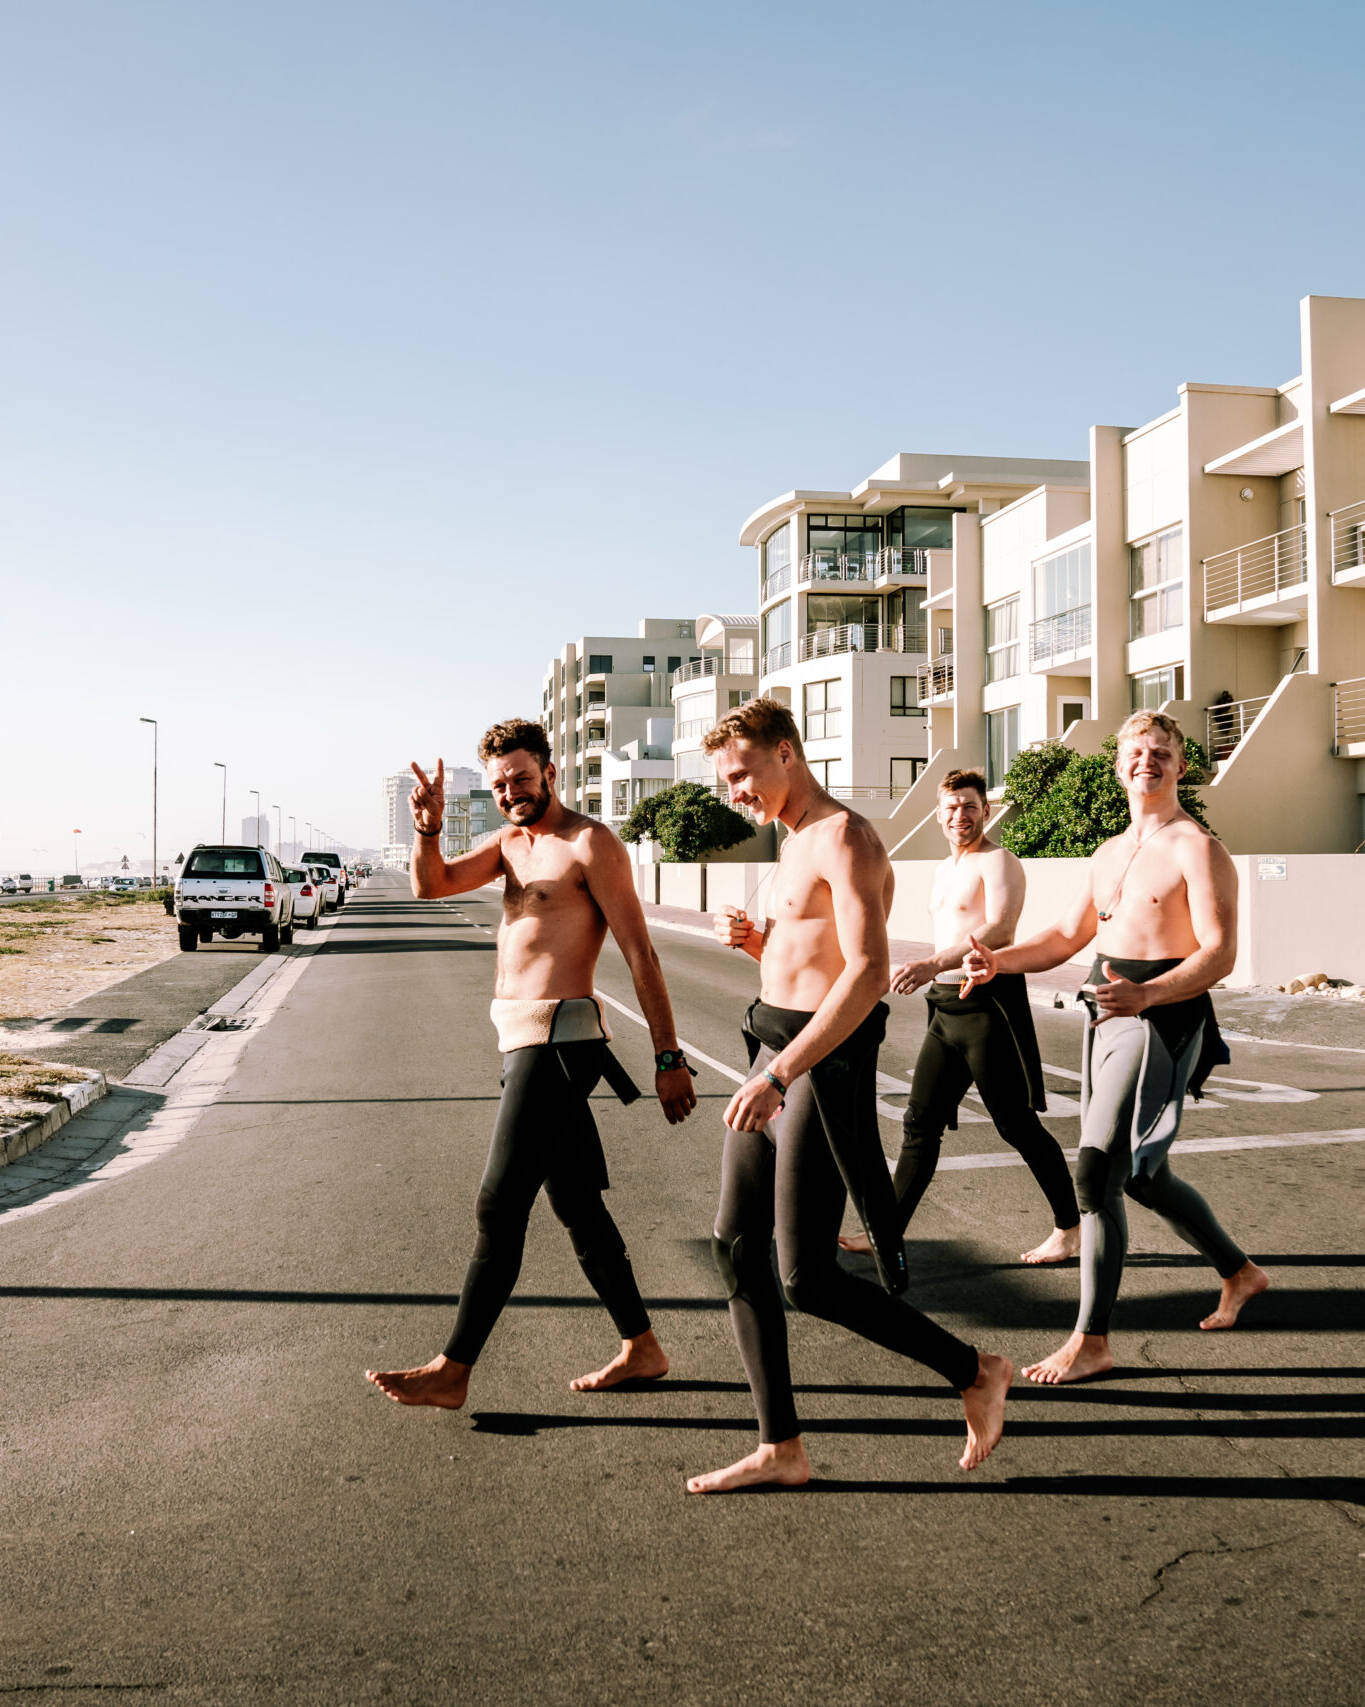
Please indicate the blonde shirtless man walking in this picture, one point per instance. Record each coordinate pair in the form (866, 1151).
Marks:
(566, 882)
(1160, 902)
(976, 1036)
(801, 1133)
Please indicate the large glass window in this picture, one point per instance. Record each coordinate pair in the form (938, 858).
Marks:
(1151, 690)
(905, 774)
(1156, 584)
(696, 766)
(1062, 583)
(777, 550)
(903, 700)
(839, 610)
(777, 635)
(843, 546)
(822, 710)
(829, 773)
(599, 663)
(1002, 743)
(740, 661)
(920, 529)
(1002, 640)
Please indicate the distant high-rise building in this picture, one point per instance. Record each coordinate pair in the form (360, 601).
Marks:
(256, 832)
(460, 779)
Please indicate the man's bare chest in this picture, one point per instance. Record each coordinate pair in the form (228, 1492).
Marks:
(542, 885)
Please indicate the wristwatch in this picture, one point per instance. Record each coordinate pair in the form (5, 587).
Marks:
(667, 1060)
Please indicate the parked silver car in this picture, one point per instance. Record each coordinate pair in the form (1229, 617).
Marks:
(308, 897)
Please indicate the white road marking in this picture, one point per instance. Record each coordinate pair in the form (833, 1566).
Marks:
(686, 1047)
(1242, 1141)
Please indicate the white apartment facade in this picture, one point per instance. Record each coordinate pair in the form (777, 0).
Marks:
(606, 694)
(1211, 562)
(722, 678)
(460, 779)
(843, 582)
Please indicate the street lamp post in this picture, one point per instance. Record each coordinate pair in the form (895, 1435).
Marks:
(222, 833)
(156, 733)
(293, 835)
(257, 793)
(279, 831)
(308, 826)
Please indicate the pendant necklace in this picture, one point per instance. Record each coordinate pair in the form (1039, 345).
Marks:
(1118, 887)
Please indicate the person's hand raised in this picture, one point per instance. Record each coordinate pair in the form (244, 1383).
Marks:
(428, 798)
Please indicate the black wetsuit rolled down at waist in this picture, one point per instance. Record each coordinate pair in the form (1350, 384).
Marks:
(787, 1180)
(986, 1038)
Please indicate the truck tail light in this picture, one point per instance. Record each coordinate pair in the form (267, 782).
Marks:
(269, 893)
(307, 889)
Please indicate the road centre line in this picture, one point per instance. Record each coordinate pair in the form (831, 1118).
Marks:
(1011, 1159)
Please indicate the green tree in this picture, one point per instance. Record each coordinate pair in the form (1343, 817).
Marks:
(687, 821)
(1068, 802)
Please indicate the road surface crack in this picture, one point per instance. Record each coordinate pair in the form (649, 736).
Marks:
(1159, 1574)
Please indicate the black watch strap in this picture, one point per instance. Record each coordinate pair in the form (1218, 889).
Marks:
(669, 1059)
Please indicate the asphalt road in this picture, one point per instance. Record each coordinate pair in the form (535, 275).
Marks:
(204, 1502)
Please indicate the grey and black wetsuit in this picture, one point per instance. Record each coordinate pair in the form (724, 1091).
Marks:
(1135, 1073)
(788, 1179)
(985, 1038)
(545, 1134)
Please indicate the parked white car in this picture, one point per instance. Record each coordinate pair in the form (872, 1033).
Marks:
(234, 891)
(326, 879)
(25, 881)
(308, 898)
(332, 861)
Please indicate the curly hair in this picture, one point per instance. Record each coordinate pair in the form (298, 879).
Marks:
(953, 781)
(513, 735)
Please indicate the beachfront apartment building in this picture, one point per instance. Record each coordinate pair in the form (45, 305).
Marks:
(723, 677)
(607, 706)
(1211, 562)
(843, 585)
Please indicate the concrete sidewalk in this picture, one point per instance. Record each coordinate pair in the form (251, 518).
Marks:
(1263, 1015)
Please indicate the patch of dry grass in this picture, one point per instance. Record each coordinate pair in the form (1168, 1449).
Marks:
(55, 949)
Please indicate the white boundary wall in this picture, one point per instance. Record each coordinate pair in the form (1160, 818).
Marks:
(1296, 913)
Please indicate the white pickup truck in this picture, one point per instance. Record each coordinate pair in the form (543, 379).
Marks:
(232, 892)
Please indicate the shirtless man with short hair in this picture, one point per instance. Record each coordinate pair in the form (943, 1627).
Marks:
(801, 1133)
(977, 1036)
(1161, 900)
(567, 881)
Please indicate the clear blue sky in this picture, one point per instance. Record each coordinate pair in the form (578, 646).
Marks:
(358, 356)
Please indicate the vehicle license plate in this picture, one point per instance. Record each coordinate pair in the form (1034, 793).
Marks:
(222, 915)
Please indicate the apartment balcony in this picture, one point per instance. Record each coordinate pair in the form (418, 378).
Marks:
(861, 637)
(1059, 639)
(1265, 581)
(860, 570)
(895, 564)
(694, 671)
(1226, 725)
(694, 728)
(934, 681)
(1348, 545)
(1348, 718)
(778, 582)
(777, 658)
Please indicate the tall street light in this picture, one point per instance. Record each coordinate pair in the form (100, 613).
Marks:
(222, 833)
(293, 835)
(156, 733)
(279, 832)
(307, 826)
(257, 793)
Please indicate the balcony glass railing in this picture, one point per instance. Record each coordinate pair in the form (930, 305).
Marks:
(1257, 570)
(1348, 714)
(1225, 725)
(778, 658)
(693, 727)
(1054, 636)
(861, 637)
(1348, 540)
(935, 679)
(694, 671)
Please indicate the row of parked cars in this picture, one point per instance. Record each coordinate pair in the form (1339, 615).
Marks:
(233, 890)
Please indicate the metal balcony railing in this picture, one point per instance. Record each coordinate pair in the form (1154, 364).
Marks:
(595, 744)
(694, 671)
(1348, 714)
(1253, 571)
(859, 637)
(777, 658)
(1054, 636)
(1226, 724)
(894, 560)
(776, 583)
(1348, 539)
(934, 680)
(840, 791)
(835, 566)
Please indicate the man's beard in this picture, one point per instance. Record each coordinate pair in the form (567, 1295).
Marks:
(539, 806)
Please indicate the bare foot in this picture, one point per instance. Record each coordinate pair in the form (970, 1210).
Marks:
(1061, 1244)
(439, 1382)
(1082, 1357)
(1246, 1283)
(984, 1406)
(640, 1359)
(784, 1465)
(858, 1242)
